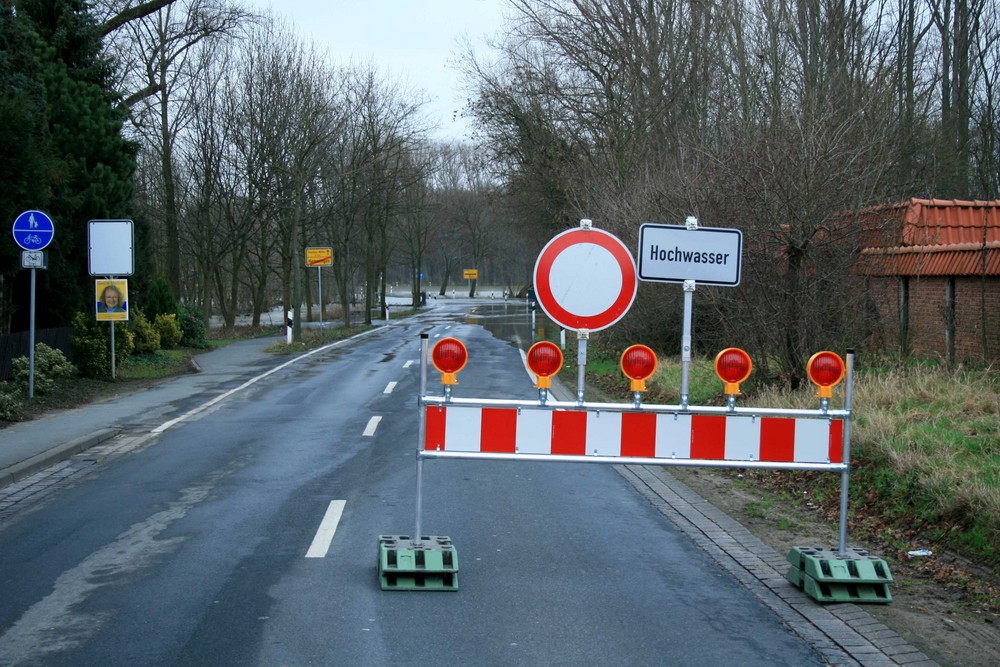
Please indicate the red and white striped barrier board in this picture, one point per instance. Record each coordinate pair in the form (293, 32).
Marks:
(467, 429)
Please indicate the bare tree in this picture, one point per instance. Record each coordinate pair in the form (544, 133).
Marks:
(158, 49)
(766, 114)
(416, 229)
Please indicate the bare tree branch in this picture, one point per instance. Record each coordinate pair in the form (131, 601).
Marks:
(133, 13)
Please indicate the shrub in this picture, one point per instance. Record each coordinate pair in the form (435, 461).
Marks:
(168, 328)
(50, 365)
(11, 404)
(160, 300)
(147, 337)
(92, 343)
(192, 323)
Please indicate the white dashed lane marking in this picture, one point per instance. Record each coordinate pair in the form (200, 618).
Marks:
(372, 425)
(327, 529)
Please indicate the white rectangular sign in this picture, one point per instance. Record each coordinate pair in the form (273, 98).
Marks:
(110, 247)
(33, 259)
(674, 253)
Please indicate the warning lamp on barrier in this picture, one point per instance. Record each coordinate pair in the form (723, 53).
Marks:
(825, 370)
(449, 356)
(733, 366)
(638, 362)
(544, 359)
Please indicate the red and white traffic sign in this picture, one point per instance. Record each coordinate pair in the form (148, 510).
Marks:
(585, 278)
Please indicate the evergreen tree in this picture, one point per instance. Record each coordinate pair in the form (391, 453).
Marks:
(24, 146)
(91, 164)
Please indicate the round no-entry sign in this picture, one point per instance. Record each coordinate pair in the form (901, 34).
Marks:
(585, 278)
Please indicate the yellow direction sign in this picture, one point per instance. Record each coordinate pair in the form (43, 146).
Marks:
(470, 274)
(319, 256)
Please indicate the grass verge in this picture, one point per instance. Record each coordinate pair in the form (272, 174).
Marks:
(925, 455)
(137, 372)
(313, 338)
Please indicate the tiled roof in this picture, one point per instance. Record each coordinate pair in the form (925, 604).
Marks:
(965, 259)
(934, 237)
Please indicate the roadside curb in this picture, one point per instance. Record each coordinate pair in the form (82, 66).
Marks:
(843, 633)
(39, 462)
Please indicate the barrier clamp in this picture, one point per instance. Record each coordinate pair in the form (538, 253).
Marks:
(427, 564)
(829, 575)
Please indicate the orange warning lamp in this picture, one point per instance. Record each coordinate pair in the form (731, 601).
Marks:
(544, 359)
(638, 362)
(733, 366)
(449, 356)
(825, 370)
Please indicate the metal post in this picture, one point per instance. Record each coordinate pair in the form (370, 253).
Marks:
(845, 475)
(31, 341)
(422, 420)
(319, 275)
(112, 323)
(689, 287)
(581, 359)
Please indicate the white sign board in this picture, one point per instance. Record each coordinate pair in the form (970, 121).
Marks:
(110, 247)
(674, 253)
(33, 259)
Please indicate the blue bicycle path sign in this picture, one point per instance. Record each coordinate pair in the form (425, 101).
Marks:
(33, 230)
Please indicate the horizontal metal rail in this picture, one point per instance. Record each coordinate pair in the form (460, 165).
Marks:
(631, 460)
(445, 401)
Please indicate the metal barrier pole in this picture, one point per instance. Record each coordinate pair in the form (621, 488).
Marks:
(422, 420)
(846, 448)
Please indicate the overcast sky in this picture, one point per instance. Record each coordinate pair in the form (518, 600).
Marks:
(414, 41)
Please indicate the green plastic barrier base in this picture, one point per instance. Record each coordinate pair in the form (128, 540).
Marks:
(431, 565)
(827, 576)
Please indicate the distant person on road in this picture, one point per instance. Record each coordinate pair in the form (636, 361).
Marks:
(111, 300)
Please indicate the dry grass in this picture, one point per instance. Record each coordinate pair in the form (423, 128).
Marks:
(926, 447)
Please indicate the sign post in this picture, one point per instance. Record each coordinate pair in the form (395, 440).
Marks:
(110, 253)
(319, 257)
(33, 232)
(585, 280)
(689, 254)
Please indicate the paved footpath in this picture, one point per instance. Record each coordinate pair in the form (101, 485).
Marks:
(30, 446)
(40, 456)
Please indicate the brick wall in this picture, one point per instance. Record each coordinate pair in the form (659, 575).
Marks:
(884, 294)
(975, 301)
(927, 317)
(977, 308)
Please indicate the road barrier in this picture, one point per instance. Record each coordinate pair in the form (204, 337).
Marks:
(651, 434)
(637, 434)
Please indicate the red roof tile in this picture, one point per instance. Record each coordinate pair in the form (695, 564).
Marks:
(966, 259)
(934, 237)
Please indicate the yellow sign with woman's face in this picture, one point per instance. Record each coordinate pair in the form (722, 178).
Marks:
(111, 298)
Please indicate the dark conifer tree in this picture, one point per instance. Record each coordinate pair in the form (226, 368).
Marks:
(90, 164)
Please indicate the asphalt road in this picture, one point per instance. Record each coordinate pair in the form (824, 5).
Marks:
(193, 547)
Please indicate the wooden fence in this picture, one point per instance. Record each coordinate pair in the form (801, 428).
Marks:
(16, 345)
